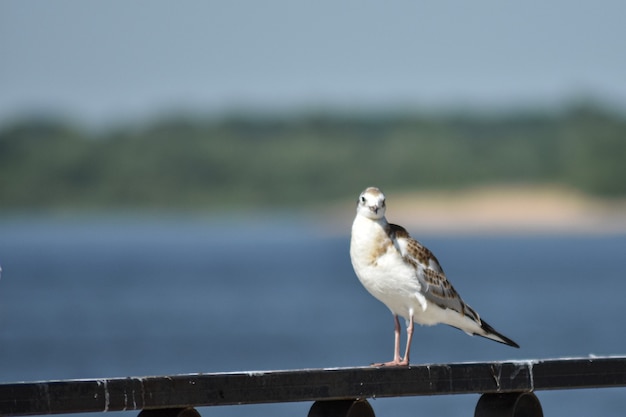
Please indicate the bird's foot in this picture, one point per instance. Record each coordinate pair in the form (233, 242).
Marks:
(395, 362)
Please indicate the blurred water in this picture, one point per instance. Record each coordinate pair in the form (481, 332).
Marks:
(127, 297)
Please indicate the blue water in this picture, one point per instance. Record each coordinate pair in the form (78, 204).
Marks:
(121, 297)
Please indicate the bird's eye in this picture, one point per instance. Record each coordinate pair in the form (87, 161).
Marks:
(362, 199)
(383, 205)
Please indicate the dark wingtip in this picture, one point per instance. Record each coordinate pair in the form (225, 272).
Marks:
(504, 340)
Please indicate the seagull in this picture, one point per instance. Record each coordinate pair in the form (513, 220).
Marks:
(405, 276)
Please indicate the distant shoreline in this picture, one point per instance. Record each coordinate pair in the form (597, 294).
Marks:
(503, 210)
(495, 210)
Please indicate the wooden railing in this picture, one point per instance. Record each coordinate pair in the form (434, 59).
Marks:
(507, 388)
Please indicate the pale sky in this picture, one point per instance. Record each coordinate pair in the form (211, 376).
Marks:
(116, 60)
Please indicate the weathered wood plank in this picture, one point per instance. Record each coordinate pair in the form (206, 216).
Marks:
(196, 390)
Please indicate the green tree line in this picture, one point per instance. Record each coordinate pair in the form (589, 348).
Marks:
(186, 162)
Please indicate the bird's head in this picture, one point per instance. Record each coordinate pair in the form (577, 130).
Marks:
(371, 204)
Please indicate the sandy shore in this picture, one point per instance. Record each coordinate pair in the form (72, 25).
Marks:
(495, 210)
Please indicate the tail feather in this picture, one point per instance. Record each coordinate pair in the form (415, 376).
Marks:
(493, 334)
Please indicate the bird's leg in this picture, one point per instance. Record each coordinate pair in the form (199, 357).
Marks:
(396, 353)
(409, 339)
(396, 332)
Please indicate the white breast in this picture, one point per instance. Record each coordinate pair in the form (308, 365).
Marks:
(381, 269)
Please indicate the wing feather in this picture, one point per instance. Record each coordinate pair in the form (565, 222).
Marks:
(435, 286)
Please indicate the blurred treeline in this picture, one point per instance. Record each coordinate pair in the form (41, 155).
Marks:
(187, 162)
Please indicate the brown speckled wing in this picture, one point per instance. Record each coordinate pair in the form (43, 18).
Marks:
(435, 286)
(416, 252)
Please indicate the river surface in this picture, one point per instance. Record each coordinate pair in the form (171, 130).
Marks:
(115, 297)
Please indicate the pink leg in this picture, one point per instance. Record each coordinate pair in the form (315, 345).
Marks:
(409, 339)
(396, 332)
(396, 354)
